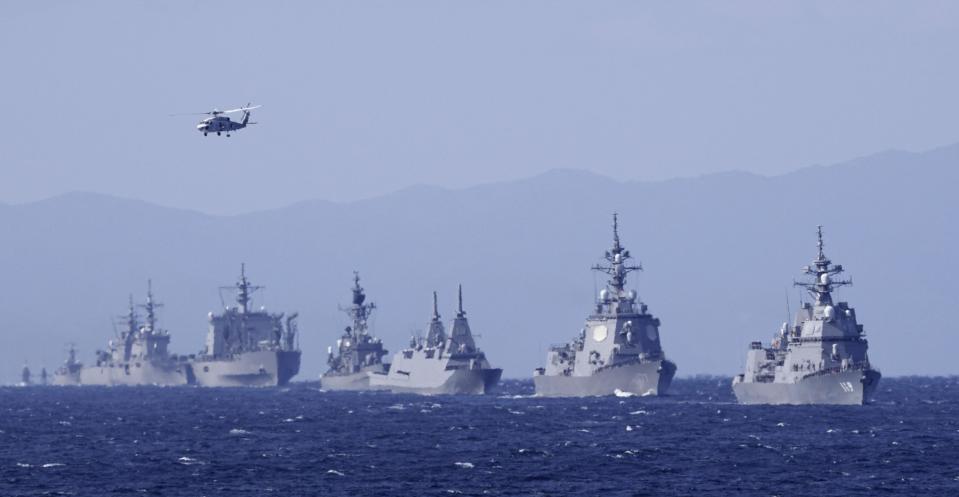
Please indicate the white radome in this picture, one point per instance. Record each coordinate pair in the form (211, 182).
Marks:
(824, 279)
(829, 312)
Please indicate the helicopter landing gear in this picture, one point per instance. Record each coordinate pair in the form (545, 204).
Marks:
(227, 135)
(204, 133)
(218, 133)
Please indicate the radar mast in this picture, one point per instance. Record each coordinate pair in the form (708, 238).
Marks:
(150, 307)
(616, 266)
(244, 290)
(359, 311)
(822, 271)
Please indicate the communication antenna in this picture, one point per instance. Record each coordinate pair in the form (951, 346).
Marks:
(788, 310)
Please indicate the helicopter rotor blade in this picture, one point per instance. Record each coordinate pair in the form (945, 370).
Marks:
(240, 109)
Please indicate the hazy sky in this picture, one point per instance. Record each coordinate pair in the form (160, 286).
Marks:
(361, 98)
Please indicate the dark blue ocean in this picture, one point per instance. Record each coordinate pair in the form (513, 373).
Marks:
(302, 441)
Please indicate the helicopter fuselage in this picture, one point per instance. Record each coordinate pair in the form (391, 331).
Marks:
(219, 124)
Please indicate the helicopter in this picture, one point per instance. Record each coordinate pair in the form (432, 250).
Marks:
(219, 123)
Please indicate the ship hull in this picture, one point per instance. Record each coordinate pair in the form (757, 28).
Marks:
(353, 381)
(63, 380)
(648, 378)
(264, 368)
(454, 382)
(852, 387)
(129, 374)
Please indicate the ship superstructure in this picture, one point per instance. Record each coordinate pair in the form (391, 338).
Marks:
(138, 356)
(820, 359)
(247, 347)
(358, 353)
(440, 363)
(619, 349)
(69, 372)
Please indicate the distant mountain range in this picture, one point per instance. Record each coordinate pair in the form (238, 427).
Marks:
(720, 253)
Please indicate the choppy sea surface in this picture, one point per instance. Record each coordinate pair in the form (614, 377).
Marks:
(303, 441)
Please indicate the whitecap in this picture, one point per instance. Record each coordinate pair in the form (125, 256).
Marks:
(64, 423)
(239, 431)
(515, 412)
(780, 424)
(53, 465)
(397, 407)
(634, 413)
(464, 465)
(620, 393)
(24, 465)
(188, 461)
(629, 428)
(334, 472)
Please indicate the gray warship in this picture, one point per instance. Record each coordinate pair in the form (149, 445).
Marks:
(821, 359)
(618, 352)
(26, 378)
(140, 356)
(358, 354)
(440, 363)
(246, 347)
(69, 372)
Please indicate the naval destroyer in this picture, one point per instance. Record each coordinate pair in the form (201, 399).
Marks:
(440, 363)
(358, 354)
(618, 351)
(247, 347)
(139, 356)
(821, 359)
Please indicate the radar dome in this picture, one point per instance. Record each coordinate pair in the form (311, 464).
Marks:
(829, 312)
(631, 295)
(618, 258)
(603, 294)
(824, 279)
